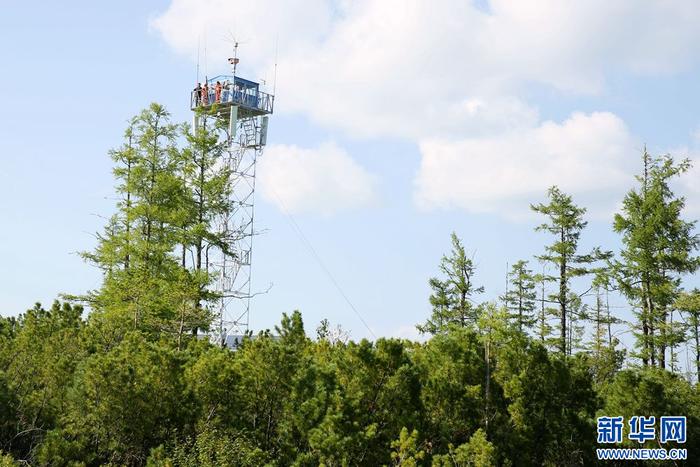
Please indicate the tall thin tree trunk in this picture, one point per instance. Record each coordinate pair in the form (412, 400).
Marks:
(607, 318)
(664, 334)
(520, 305)
(562, 298)
(127, 256)
(662, 340)
(646, 349)
(650, 327)
(598, 323)
(542, 311)
(697, 346)
(671, 346)
(487, 383)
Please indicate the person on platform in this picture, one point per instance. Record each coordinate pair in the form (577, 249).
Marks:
(217, 92)
(197, 94)
(205, 94)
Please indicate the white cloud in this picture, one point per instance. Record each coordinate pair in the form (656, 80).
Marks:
(572, 45)
(415, 69)
(591, 155)
(324, 179)
(450, 77)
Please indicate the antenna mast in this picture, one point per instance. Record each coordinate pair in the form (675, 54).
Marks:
(233, 61)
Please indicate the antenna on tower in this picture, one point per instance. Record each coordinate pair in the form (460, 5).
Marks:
(233, 61)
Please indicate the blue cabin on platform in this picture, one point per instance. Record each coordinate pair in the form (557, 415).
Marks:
(225, 91)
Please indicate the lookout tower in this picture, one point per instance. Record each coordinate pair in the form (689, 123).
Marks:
(243, 109)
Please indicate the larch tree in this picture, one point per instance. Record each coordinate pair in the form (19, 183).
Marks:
(208, 182)
(452, 297)
(154, 194)
(521, 297)
(145, 285)
(565, 223)
(606, 360)
(658, 248)
(206, 177)
(543, 329)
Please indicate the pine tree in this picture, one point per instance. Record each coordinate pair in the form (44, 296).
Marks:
(565, 223)
(658, 249)
(452, 297)
(520, 298)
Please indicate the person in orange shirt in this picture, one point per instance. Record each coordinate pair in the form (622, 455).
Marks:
(217, 92)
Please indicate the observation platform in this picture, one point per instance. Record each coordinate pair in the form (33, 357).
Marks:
(232, 91)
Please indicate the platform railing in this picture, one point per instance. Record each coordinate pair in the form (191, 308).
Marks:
(247, 98)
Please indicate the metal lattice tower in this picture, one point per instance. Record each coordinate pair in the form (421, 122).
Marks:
(245, 110)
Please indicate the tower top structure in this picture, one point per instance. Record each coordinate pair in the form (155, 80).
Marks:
(222, 92)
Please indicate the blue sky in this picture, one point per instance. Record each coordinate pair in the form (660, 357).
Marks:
(394, 125)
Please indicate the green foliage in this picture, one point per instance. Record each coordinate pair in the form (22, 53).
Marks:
(565, 223)
(126, 399)
(8, 419)
(210, 448)
(169, 200)
(452, 297)
(38, 367)
(405, 451)
(487, 395)
(689, 304)
(453, 370)
(7, 460)
(551, 403)
(477, 452)
(521, 296)
(653, 392)
(605, 359)
(208, 190)
(658, 248)
(543, 329)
